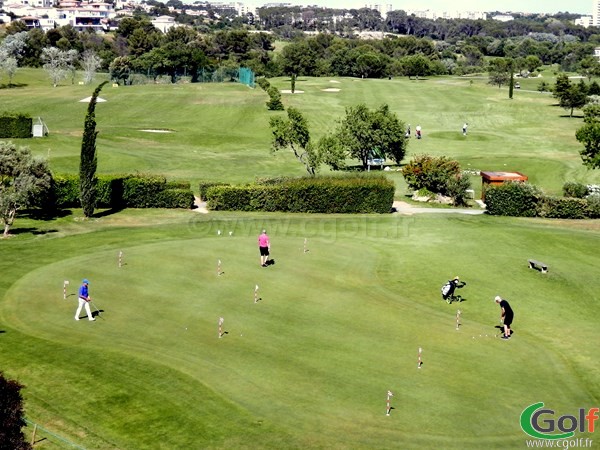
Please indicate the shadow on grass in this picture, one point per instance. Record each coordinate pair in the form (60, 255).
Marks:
(13, 86)
(32, 230)
(501, 329)
(108, 212)
(46, 215)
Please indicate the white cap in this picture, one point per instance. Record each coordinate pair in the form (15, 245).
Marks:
(498, 298)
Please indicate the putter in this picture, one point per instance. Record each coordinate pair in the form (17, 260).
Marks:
(96, 308)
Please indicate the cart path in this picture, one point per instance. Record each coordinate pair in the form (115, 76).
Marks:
(408, 209)
(398, 206)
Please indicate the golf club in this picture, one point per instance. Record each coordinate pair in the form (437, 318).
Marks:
(96, 308)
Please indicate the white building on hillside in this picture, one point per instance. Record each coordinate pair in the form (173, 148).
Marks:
(596, 13)
(584, 21)
(163, 23)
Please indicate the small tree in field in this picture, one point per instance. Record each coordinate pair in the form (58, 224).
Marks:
(293, 133)
(11, 416)
(22, 177)
(89, 162)
(90, 63)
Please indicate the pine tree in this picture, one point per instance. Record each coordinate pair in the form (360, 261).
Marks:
(89, 161)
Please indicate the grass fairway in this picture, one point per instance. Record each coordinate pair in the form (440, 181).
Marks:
(309, 365)
(221, 131)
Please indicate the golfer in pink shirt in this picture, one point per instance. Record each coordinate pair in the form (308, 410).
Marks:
(264, 246)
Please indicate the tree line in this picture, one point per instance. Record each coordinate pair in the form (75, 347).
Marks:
(455, 47)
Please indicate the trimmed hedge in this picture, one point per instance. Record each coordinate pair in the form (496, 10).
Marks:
(563, 208)
(204, 185)
(525, 200)
(574, 189)
(124, 191)
(512, 199)
(349, 194)
(17, 126)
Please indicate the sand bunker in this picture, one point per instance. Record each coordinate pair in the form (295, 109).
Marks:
(287, 91)
(157, 131)
(331, 90)
(334, 81)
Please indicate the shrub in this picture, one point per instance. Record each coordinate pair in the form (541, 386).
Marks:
(576, 190)
(563, 208)
(204, 185)
(594, 206)
(263, 83)
(274, 103)
(140, 191)
(17, 126)
(65, 191)
(457, 189)
(431, 172)
(175, 198)
(120, 191)
(512, 199)
(348, 194)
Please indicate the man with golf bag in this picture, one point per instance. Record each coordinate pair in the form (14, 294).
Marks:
(84, 300)
(449, 288)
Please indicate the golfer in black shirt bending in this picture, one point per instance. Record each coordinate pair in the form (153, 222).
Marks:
(507, 315)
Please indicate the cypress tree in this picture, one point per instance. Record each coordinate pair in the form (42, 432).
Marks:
(89, 161)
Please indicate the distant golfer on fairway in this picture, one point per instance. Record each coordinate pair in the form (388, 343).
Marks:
(449, 288)
(264, 246)
(507, 316)
(84, 300)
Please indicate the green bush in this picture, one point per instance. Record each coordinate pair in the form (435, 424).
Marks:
(175, 198)
(17, 126)
(512, 199)
(431, 172)
(576, 190)
(140, 191)
(263, 83)
(457, 189)
(563, 208)
(121, 191)
(594, 206)
(349, 194)
(204, 185)
(65, 191)
(228, 198)
(274, 103)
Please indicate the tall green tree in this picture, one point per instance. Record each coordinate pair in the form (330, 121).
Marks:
(22, 178)
(589, 136)
(364, 132)
(12, 418)
(89, 160)
(293, 133)
(499, 71)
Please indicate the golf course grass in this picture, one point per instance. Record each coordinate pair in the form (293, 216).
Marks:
(306, 360)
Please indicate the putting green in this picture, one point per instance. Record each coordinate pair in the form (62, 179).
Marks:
(310, 363)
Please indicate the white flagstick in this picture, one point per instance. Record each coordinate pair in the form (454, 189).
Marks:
(219, 267)
(120, 259)
(256, 294)
(305, 245)
(221, 320)
(458, 319)
(420, 361)
(65, 284)
(388, 408)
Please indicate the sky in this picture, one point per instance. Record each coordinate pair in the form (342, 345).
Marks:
(548, 6)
